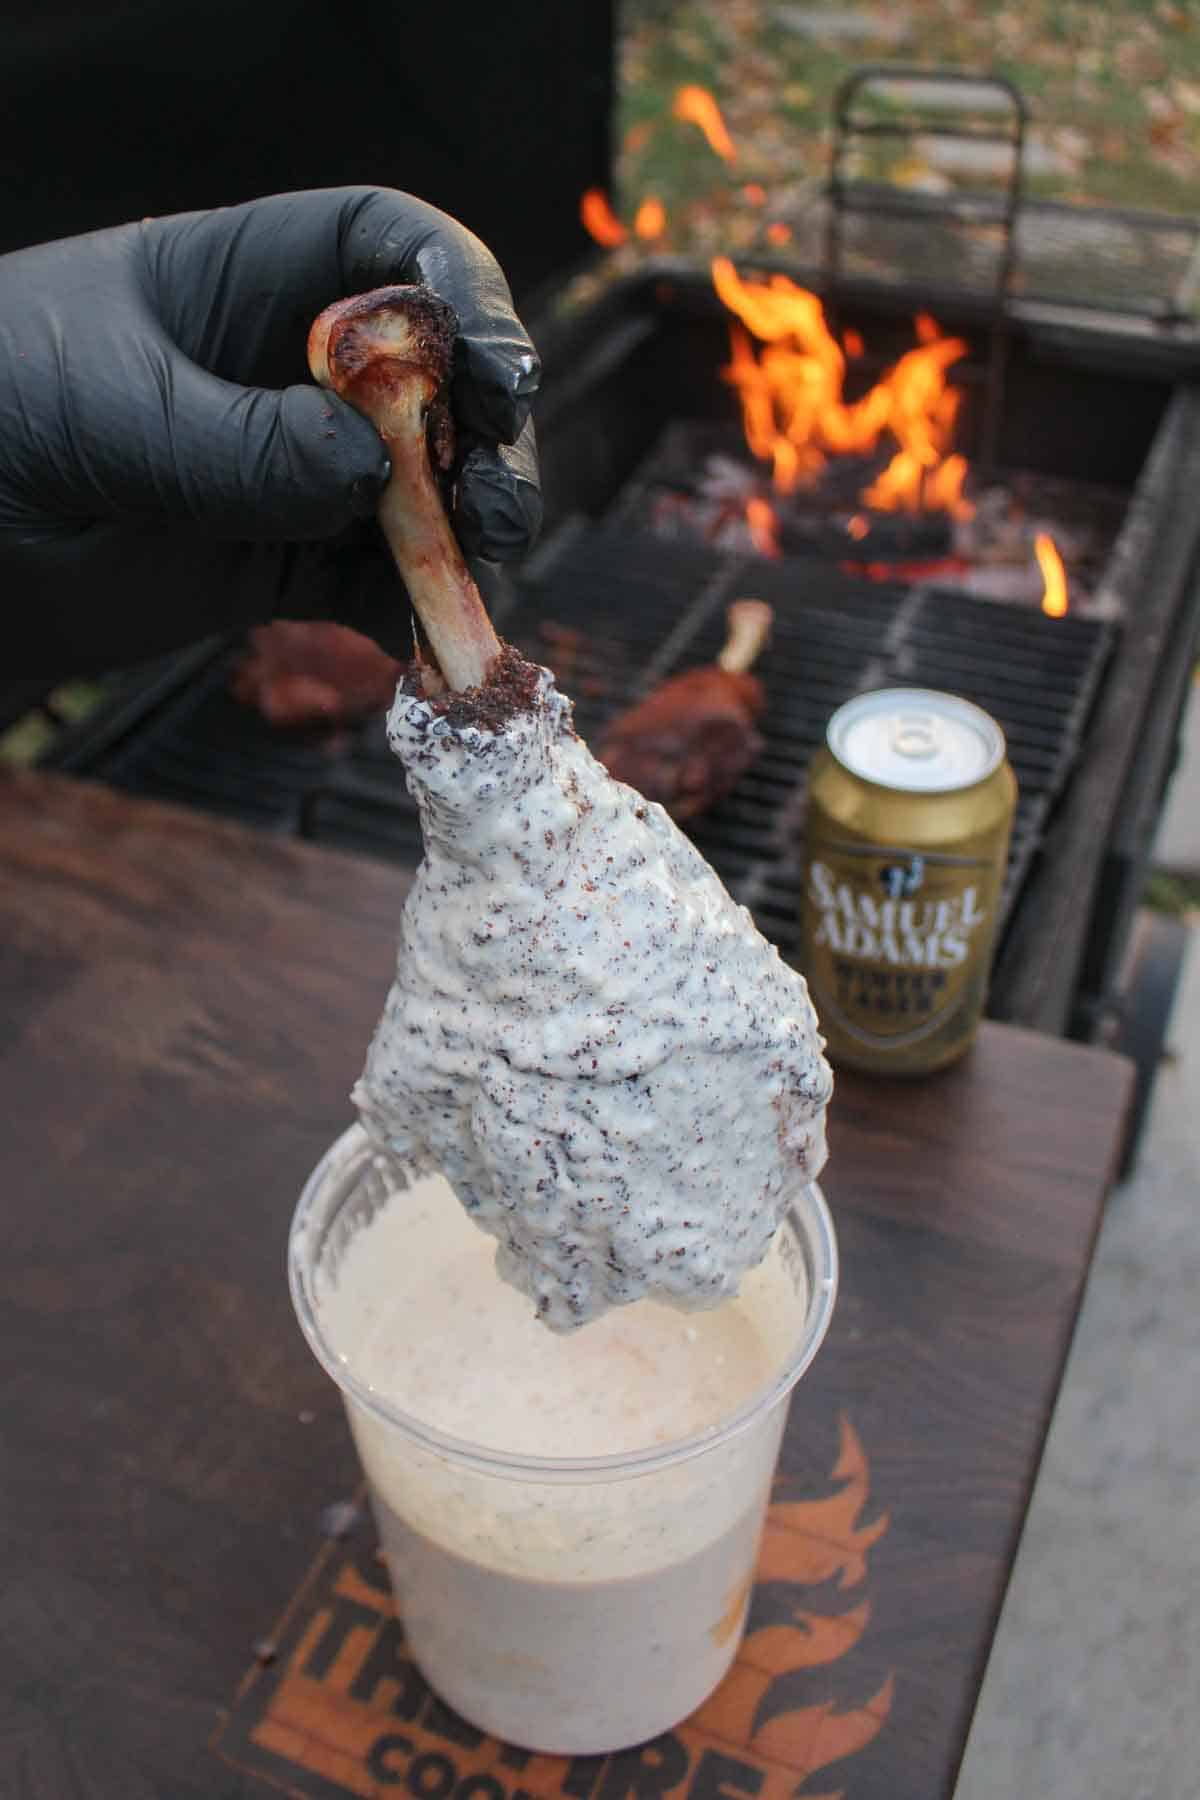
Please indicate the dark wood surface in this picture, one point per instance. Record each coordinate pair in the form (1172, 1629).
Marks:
(184, 1008)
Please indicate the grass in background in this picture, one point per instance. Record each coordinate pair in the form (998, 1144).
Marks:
(1168, 892)
(1113, 87)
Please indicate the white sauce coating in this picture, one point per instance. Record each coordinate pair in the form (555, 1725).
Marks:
(418, 1316)
(618, 1075)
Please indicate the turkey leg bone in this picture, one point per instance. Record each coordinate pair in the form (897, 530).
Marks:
(749, 626)
(387, 353)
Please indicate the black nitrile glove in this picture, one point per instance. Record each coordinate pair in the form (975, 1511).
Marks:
(167, 467)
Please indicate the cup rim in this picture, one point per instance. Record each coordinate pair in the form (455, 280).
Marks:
(808, 1209)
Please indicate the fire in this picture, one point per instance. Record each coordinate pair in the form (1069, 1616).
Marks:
(650, 220)
(1054, 576)
(600, 219)
(793, 410)
(764, 526)
(696, 106)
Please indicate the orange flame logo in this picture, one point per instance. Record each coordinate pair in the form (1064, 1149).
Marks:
(331, 1709)
(766, 1699)
(831, 1541)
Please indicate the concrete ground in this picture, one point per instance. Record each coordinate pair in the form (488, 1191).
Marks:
(1093, 1688)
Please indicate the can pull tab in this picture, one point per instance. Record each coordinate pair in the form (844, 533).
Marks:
(915, 735)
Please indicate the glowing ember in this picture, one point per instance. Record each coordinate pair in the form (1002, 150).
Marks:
(1054, 576)
(764, 526)
(600, 220)
(794, 414)
(754, 194)
(852, 342)
(696, 106)
(650, 220)
(858, 527)
(778, 233)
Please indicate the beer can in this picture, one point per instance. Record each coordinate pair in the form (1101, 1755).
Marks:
(910, 810)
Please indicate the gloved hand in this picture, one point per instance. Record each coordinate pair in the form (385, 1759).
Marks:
(167, 467)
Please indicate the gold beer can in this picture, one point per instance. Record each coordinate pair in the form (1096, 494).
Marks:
(910, 809)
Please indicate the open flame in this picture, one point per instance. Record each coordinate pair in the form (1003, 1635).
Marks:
(791, 384)
(1054, 576)
(763, 525)
(693, 106)
(696, 106)
(650, 220)
(794, 413)
(600, 220)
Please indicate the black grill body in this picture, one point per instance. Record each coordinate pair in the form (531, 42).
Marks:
(1089, 704)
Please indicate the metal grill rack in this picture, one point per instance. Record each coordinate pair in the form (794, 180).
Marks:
(835, 635)
(987, 236)
(613, 613)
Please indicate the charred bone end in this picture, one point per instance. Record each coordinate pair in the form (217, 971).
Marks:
(408, 327)
(388, 354)
(511, 690)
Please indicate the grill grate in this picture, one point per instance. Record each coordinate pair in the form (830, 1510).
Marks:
(834, 636)
(613, 612)
(666, 496)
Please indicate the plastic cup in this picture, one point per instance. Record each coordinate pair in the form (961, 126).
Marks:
(568, 1605)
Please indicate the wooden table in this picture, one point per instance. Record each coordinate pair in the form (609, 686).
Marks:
(185, 1005)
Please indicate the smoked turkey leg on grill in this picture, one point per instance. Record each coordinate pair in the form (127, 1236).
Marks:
(306, 672)
(691, 739)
